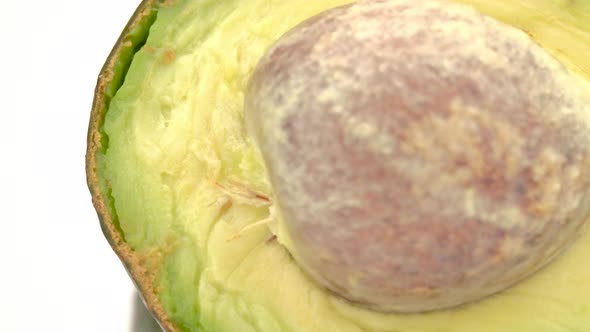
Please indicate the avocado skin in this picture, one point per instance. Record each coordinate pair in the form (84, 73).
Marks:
(111, 77)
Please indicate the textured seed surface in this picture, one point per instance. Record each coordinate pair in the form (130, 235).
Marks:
(422, 155)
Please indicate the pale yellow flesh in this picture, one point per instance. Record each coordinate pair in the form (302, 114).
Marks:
(189, 186)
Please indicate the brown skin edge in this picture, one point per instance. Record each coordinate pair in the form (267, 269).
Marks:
(128, 257)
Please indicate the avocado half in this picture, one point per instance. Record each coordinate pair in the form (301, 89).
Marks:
(183, 199)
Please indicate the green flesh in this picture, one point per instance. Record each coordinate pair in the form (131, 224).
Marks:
(187, 185)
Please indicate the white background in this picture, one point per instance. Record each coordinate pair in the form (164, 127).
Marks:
(57, 272)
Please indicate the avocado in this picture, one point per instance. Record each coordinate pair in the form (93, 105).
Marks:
(184, 198)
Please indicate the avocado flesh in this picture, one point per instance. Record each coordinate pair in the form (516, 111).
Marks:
(188, 186)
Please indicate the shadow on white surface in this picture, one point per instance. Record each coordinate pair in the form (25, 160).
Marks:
(142, 319)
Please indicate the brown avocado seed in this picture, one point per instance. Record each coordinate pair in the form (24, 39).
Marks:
(422, 155)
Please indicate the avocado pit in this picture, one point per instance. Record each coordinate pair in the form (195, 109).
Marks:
(423, 155)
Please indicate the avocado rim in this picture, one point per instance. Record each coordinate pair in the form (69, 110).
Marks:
(110, 79)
